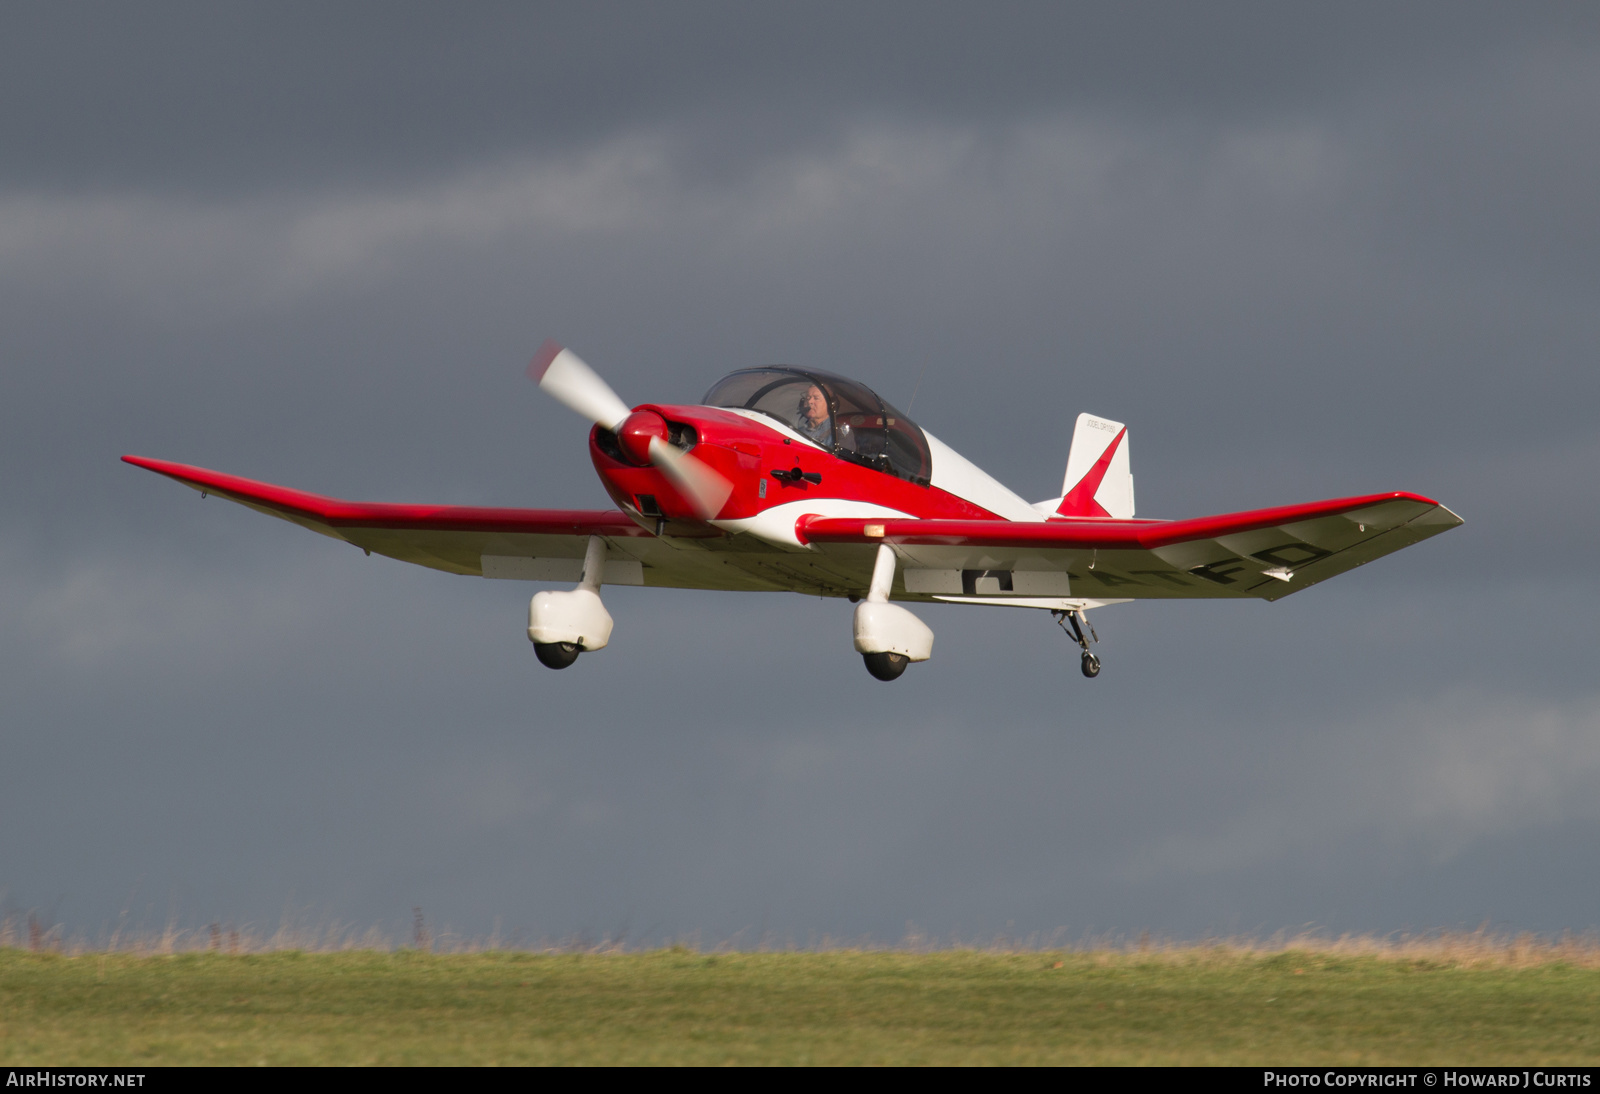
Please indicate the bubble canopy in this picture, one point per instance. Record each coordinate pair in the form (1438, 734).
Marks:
(848, 419)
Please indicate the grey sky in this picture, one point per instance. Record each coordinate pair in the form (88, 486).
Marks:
(1303, 251)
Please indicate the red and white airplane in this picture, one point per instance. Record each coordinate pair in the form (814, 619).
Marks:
(796, 479)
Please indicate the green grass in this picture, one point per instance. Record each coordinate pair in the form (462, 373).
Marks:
(1186, 1006)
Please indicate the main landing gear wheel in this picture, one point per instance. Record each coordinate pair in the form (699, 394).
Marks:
(886, 666)
(1076, 624)
(556, 655)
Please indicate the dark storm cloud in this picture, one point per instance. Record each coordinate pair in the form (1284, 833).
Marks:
(207, 97)
(1303, 251)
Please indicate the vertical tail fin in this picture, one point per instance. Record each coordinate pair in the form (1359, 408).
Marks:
(1099, 480)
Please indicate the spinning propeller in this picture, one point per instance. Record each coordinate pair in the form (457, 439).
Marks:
(642, 434)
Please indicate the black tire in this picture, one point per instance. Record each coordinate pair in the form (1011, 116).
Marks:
(886, 666)
(556, 655)
(1091, 665)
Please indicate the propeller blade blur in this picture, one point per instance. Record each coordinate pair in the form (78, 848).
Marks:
(704, 488)
(575, 385)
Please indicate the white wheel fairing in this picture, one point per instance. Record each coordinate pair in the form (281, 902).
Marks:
(881, 627)
(889, 628)
(575, 615)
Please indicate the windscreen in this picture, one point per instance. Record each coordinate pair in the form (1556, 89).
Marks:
(777, 393)
(843, 416)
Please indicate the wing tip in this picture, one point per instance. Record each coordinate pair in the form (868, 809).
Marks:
(147, 463)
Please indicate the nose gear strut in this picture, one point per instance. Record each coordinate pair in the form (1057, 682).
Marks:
(1074, 622)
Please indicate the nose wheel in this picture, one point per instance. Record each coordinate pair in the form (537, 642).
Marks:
(1080, 630)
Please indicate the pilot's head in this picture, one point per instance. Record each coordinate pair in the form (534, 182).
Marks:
(814, 406)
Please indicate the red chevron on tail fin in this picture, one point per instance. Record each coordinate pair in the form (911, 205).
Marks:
(1099, 480)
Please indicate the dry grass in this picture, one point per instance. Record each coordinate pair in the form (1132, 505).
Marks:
(1483, 947)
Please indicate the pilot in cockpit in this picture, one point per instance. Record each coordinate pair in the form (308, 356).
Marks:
(813, 420)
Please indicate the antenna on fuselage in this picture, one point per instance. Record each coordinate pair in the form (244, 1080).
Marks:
(917, 386)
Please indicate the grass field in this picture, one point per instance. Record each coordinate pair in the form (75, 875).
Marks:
(1186, 1005)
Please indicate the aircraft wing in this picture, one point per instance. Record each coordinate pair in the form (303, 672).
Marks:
(1267, 553)
(452, 538)
(1264, 553)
